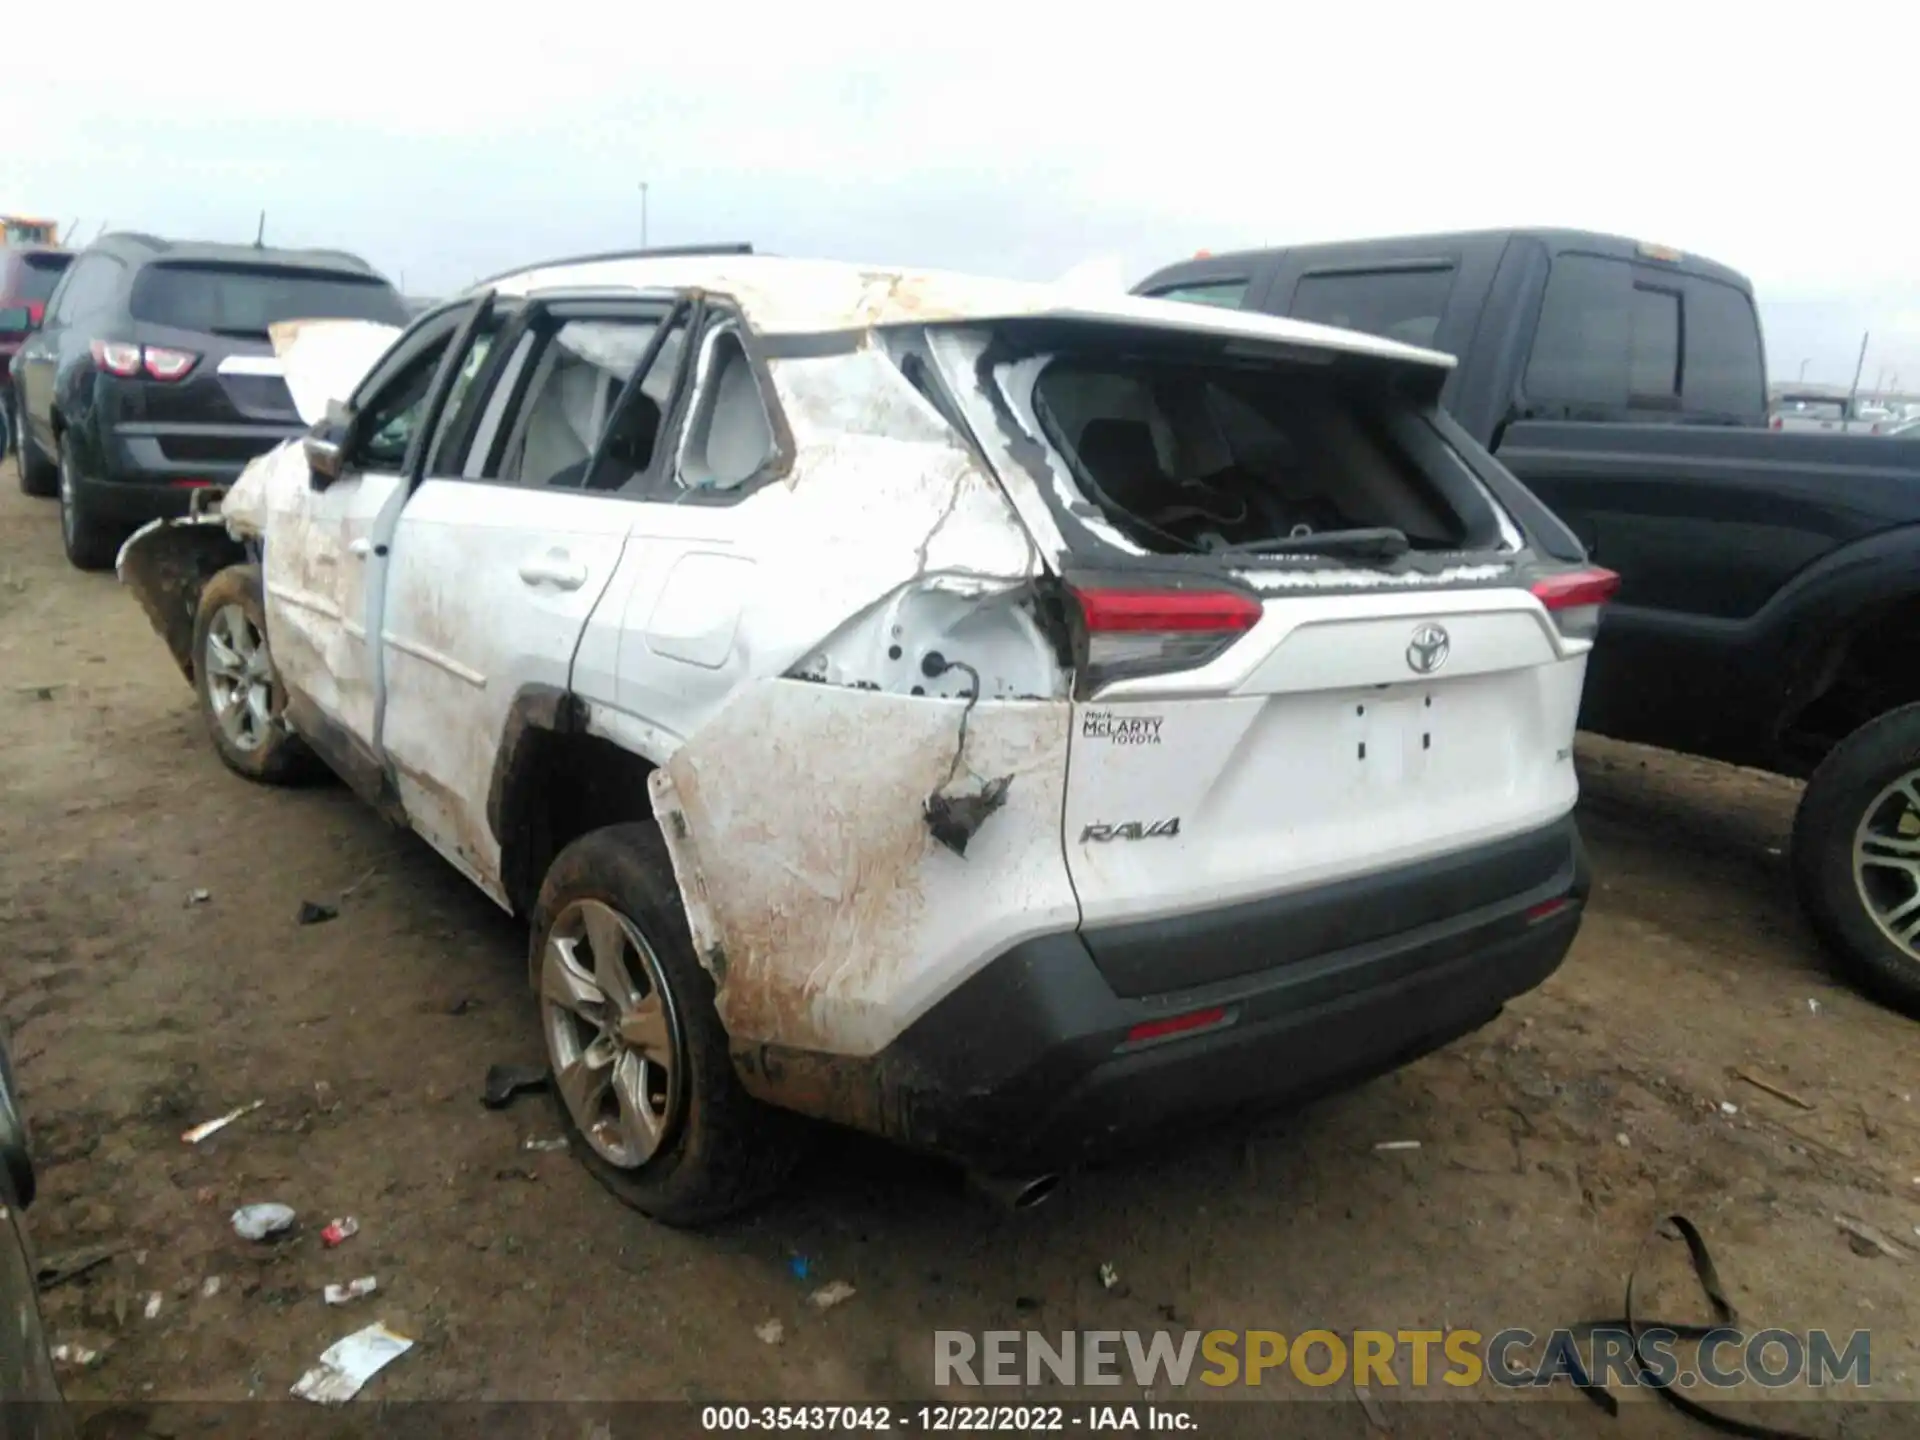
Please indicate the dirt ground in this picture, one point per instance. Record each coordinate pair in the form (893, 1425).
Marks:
(1549, 1142)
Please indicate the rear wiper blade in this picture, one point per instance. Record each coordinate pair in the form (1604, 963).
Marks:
(1382, 542)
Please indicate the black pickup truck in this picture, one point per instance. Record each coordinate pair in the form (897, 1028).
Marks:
(1769, 611)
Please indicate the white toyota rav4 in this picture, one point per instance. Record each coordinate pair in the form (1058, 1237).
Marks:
(999, 718)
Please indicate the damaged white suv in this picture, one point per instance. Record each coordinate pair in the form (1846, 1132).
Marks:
(1001, 719)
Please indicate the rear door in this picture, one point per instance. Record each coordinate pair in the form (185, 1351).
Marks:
(500, 554)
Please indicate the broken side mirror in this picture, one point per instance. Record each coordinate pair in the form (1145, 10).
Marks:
(326, 446)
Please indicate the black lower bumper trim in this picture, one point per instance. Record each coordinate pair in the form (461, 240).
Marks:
(1028, 1065)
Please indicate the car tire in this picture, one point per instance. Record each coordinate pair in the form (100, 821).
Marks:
(1856, 857)
(240, 692)
(654, 1106)
(90, 543)
(39, 476)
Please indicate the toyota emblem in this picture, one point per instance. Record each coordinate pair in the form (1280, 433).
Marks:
(1428, 649)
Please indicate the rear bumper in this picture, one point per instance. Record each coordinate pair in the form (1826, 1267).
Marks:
(1028, 1066)
(148, 472)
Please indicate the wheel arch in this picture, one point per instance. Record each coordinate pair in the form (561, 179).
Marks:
(557, 776)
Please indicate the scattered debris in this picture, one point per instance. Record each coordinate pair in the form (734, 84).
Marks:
(352, 1290)
(506, 1081)
(339, 1232)
(1873, 1241)
(802, 1267)
(152, 1308)
(313, 914)
(552, 1142)
(828, 1296)
(1398, 1145)
(1623, 1140)
(464, 1005)
(83, 1356)
(348, 1364)
(1376, 1417)
(1109, 1275)
(220, 1122)
(771, 1332)
(209, 1287)
(1727, 1107)
(1813, 1007)
(257, 1222)
(511, 1173)
(199, 897)
(1026, 1303)
(72, 1264)
(1774, 1090)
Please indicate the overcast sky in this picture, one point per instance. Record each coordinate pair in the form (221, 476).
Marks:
(1021, 140)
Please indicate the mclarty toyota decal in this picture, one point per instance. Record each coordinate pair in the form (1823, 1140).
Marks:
(1120, 729)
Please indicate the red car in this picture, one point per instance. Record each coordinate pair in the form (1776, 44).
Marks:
(28, 274)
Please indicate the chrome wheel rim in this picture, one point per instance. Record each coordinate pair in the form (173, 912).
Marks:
(613, 1036)
(239, 678)
(1886, 862)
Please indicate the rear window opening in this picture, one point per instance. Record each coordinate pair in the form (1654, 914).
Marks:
(244, 300)
(1260, 459)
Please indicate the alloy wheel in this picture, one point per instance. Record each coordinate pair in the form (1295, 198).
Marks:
(1886, 862)
(613, 1035)
(239, 678)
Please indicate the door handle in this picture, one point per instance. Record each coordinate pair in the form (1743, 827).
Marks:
(555, 568)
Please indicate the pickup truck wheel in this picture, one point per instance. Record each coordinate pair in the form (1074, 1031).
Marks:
(39, 476)
(639, 1057)
(239, 692)
(1856, 856)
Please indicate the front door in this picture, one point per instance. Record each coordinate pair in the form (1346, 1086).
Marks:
(321, 564)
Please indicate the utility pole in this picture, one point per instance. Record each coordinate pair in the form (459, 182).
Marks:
(1803, 369)
(1853, 395)
(643, 214)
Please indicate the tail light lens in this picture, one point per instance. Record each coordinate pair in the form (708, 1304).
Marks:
(1138, 631)
(1574, 599)
(169, 364)
(122, 358)
(116, 357)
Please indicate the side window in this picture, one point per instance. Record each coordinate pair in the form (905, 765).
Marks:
(1227, 293)
(87, 289)
(392, 412)
(1403, 305)
(729, 437)
(456, 416)
(1724, 374)
(1581, 345)
(569, 400)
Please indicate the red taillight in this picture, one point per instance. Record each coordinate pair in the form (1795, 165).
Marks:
(1574, 599)
(163, 364)
(1134, 631)
(116, 357)
(120, 357)
(1546, 909)
(1177, 1025)
(1778, 423)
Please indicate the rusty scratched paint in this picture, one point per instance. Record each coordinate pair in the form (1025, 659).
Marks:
(815, 891)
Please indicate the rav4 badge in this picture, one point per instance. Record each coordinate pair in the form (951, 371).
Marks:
(1133, 830)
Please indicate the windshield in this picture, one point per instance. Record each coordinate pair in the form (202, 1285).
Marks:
(247, 299)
